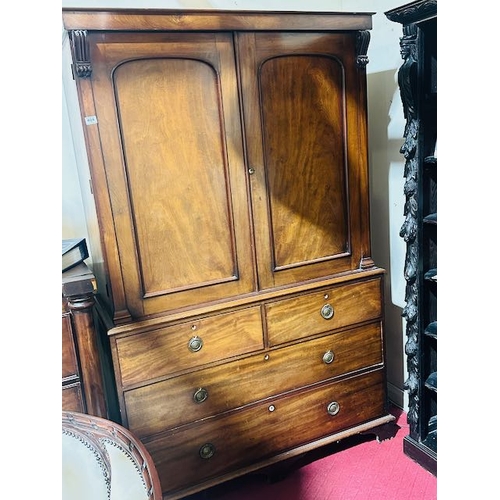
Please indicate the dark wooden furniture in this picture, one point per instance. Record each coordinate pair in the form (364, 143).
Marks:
(417, 80)
(103, 460)
(229, 164)
(82, 379)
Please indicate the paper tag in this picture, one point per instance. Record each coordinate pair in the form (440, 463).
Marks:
(91, 120)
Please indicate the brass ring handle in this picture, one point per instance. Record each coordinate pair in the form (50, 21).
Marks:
(195, 344)
(327, 311)
(200, 395)
(328, 357)
(333, 408)
(207, 451)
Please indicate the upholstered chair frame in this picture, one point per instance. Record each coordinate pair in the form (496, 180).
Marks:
(95, 435)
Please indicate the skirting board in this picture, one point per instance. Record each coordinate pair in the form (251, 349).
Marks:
(397, 396)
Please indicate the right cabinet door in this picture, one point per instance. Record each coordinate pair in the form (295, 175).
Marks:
(306, 145)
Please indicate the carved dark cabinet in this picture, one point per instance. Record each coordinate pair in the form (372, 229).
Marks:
(417, 81)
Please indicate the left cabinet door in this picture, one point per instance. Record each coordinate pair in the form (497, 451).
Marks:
(169, 177)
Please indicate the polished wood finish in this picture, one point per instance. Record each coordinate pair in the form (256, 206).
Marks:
(301, 153)
(307, 216)
(244, 300)
(153, 174)
(301, 315)
(72, 397)
(168, 350)
(167, 404)
(230, 170)
(212, 20)
(243, 438)
(82, 381)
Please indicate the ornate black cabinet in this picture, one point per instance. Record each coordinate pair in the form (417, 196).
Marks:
(417, 81)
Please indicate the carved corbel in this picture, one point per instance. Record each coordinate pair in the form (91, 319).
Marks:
(82, 66)
(362, 42)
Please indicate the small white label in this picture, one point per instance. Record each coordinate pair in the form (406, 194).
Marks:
(90, 120)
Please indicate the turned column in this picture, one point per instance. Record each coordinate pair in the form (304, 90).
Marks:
(78, 295)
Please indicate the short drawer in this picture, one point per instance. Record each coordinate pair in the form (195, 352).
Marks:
(217, 446)
(170, 403)
(321, 311)
(162, 352)
(72, 398)
(69, 359)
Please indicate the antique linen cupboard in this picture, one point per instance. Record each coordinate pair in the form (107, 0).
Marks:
(229, 165)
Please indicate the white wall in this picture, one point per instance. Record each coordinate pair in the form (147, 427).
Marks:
(386, 125)
(73, 214)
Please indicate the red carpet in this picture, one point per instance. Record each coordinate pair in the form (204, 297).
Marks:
(363, 470)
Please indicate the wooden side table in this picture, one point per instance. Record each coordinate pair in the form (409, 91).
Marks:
(82, 378)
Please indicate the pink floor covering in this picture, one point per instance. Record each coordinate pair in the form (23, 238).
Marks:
(368, 470)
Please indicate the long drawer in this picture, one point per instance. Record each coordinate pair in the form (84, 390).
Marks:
(313, 313)
(162, 352)
(156, 407)
(216, 446)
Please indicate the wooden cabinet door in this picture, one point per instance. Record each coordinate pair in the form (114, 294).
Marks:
(171, 184)
(306, 140)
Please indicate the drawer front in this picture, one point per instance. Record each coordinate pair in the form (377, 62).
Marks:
(189, 345)
(321, 311)
(72, 398)
(187, 398)
(69, 360)
(217, 446)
